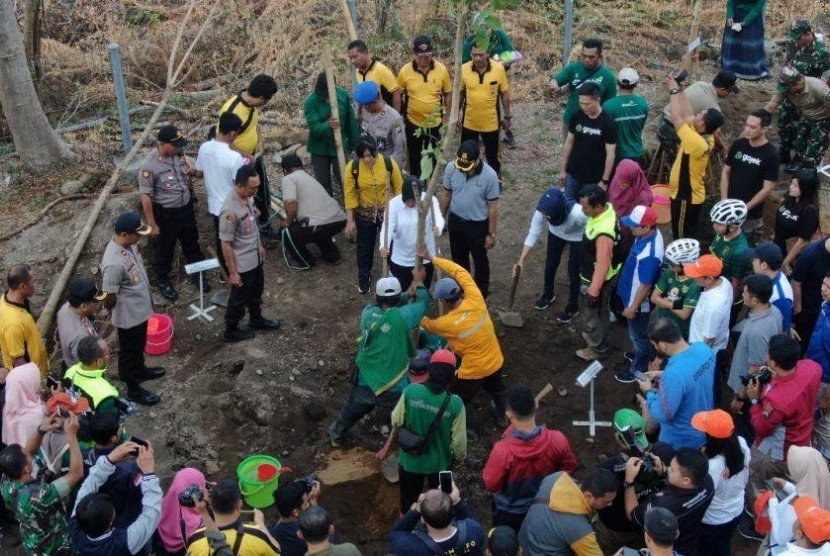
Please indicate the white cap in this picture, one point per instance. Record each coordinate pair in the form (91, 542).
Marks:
(628, 76)
(387, 287)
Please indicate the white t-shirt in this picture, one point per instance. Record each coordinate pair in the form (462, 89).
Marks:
(571, 229)
(728, 502)
(219, 164)
(710, 318)
(403, 230)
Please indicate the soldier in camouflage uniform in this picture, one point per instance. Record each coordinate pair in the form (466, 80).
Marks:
(810, 97)
(811, 58)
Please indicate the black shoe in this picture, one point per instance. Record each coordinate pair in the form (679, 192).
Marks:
(544, 302)
(793, 167)
(205, 284)
(567, 315)
(150, 373)
(237, 335)
(364, 285)
(144, 397)
(263, 324)
(167, 291)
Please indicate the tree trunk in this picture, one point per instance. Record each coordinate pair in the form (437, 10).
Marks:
(31, 36)
(37, 144)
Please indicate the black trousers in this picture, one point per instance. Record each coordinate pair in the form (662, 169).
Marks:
(176, 224)
(412, 485)
(416, 144)
(367, 238)
(492, 384)
(219, 254)
(262, 199)
(404, 274)
(327, 171)
(131, 343)
(318, 235)
(684, 218)
(248, 295)
(467, 239)
(491, 145)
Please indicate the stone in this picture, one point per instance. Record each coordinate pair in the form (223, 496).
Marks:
(211, 467)
(258, 372)
(296, 372)
(280, 281)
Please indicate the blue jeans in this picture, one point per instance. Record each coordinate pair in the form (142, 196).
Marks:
(638, 334)
(572, 187)
(556, 246)
(360, 403)
(367, 237)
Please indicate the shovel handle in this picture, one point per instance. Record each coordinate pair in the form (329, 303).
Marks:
(544, 392)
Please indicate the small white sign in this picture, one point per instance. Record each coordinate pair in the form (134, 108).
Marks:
(588, 374)
(692, 45)
(201, 266)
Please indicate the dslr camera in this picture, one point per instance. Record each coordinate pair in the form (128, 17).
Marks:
(307, 482)
(764, 376)
(187, 495)
(637, 450)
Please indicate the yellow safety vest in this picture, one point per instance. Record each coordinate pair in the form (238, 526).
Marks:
(92, 383)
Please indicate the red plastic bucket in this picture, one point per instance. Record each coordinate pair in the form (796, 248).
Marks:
(159, 334)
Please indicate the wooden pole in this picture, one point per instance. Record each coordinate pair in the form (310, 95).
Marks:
(385, 258)
(693, 32)
(347, 15)
(335, 112)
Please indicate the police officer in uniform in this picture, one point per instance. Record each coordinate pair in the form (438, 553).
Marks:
(128, 298)
(167, 199)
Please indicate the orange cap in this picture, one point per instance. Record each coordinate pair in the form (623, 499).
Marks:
(716, 423)
(707, 265)
(814, 520)
(65, 401)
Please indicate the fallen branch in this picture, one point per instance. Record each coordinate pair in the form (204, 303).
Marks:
(169, 108)
(42, 213)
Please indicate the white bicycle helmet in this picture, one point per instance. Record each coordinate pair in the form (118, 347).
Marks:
(683, 251)
(729, 212)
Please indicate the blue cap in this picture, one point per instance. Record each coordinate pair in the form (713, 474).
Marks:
(447, 289)
(768, 252)
(366, 92)
(552, 205)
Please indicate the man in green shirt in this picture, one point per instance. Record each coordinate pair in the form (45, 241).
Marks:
(588, 68)
(675, 295)
(730, 246)
(416, 410)
(384, 350)
(630, 112)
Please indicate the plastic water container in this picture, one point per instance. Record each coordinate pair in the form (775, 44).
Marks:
(159, 334)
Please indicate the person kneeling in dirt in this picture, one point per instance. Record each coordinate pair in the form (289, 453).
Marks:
(448, 527)
(468, 328)
(87, 376)
(384, 350)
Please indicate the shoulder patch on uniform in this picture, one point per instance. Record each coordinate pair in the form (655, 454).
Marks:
(145, 174)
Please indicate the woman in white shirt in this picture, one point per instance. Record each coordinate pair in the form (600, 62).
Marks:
(728, 456)
(403, 233)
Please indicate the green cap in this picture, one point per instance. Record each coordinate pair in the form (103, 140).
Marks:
(625, 419)
(798, 28)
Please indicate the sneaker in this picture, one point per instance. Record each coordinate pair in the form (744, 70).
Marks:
(567, 315)
(629, 356)
(364, 286)
(746, 528)
(544, 302)
(589, 354)
(166, 290)
(237, 335)
(625, 377)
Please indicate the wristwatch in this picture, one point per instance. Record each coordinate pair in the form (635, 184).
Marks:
(627, 485)
(674, 91)
(492, 235)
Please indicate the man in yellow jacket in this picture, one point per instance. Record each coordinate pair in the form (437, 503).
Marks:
(469, 331)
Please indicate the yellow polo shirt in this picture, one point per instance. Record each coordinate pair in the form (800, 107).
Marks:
(19, 336)
(482, 91)
(424, 92)
(247, 140)
(381, 75)
(370, 191)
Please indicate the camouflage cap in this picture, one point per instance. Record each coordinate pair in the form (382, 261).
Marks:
(798, 28)
(788, 77)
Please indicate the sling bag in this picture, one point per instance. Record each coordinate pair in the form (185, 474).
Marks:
(416, 444)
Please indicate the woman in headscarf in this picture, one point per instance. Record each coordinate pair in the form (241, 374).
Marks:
(179, 522)
(628, 189)
(566, 223)
(403, 232)
(24, 410)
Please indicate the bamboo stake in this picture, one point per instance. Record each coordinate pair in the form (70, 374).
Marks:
(385, 258)
(347, 15)
(335, 112)
(45, 320)
(693, 32)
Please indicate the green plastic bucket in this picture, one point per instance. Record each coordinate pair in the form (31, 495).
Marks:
(257, 494)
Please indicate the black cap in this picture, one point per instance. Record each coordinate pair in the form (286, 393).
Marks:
(467, 155)
(84, 291)
(291, 161)
(410, 184)
(767, 252)
(130, 223)
(725, 79)
(171, 134)
(422, 44)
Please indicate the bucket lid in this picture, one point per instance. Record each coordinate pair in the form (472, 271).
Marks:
(266, 472)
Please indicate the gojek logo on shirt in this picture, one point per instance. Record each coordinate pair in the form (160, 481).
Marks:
(585, 130)
(747, 159)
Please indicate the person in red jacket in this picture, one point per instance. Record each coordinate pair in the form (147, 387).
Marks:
(525, 455)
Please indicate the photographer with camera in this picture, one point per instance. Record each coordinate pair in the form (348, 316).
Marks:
(614, 529)
(225, 500)
(687, 493)
(292, 500)
(781, 411)
(93, 524)
(179, 516)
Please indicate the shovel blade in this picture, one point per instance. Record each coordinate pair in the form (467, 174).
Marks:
(512, 319)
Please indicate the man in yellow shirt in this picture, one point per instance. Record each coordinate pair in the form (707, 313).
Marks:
(470, 334)
(427, 87)
(687, 188)
(369, 69)
(20, 339)
(369, 179)
(249, 142)
(483, 83)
